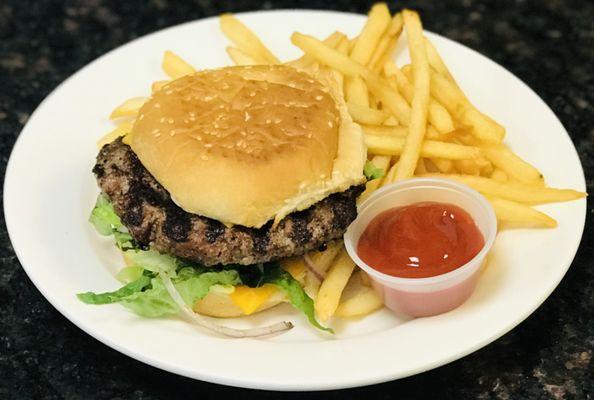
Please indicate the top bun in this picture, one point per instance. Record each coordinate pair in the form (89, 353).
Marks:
(235, 144)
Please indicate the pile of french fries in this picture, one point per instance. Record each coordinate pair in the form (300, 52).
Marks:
(416, 120)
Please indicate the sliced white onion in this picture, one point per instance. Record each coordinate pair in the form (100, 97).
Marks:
(312, 267)
(223, 330)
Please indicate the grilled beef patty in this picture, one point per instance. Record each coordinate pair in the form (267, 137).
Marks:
(155, 221)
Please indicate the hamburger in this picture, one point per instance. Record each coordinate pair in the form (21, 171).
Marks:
(226, 178)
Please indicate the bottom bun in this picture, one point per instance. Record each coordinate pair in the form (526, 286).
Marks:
(220, 305)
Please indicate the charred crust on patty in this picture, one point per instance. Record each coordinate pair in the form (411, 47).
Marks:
(154, 220)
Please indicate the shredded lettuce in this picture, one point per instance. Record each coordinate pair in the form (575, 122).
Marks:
(129, 274)
(153, 261)
(146, 294)
(194, 285)
(107, 222)
(113, 297)
(371, 171)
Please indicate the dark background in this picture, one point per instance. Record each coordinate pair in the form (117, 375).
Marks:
(548, 44)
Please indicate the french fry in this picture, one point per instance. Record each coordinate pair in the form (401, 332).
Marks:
(420, 169)
(364, 302)
(128, 108)
(499, 175)
(381, 162)
(322, 260)
(331, 288)
(245, 39)
(514, 166)
(515, 192)
(391, 121)
(332, 41)
(365, 115)
(485, 166)
(443, 165)
(452, 98)
(239, 57)
(356, 91)
(343, 47)
(516, 215)
(120, 130)
(468, 167)
(319, 261)
(418, 120)
(390, 98)
(175, 66)
(393, 145)
(377, 130)
(158, 85)
(386, 45)
(437, 62)
(377, 23)
(439, 117)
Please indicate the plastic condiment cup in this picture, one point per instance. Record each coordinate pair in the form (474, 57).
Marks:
(421, 297)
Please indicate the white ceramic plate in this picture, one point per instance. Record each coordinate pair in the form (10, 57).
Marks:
(49, 192)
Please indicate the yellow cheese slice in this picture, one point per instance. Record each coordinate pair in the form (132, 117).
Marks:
(251, 299)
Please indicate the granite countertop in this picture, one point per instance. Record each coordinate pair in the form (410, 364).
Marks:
(549, 44)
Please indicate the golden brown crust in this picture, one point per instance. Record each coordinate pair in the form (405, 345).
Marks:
(235, 144)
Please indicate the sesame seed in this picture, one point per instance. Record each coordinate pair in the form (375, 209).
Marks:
(162, 120)
(208, 145)
(204, 157)
(141, 117)
(268, 121)
(247, 116)
(252, 94)
(170, 121)
(330, 124)
(169, 92)
(155, 131)
(157, 134)
(319, 97)
(157, 105)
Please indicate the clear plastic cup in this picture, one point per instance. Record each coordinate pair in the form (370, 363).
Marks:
(421, 297)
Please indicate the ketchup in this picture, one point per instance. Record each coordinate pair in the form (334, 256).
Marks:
(420, 240)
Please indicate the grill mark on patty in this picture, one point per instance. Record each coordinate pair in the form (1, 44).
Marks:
(177, 224)
(261, 240)
(154, 220)
(214, 229)
(299, 230)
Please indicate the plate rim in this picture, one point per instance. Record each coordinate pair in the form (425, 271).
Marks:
(237, 381)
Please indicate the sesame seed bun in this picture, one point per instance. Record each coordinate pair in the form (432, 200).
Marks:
(237, 144)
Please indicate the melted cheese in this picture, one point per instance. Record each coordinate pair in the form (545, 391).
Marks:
(249, 299)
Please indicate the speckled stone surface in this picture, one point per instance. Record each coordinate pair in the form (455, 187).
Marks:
(549, 44)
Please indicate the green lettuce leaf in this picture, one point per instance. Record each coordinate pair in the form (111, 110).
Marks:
(107, 222)
(113, 297)
(193, 285)
(274, 274)
(153, 261)
(151, 303)
(371, 171)
(129, 274)
(148, 297)
(146, 294)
